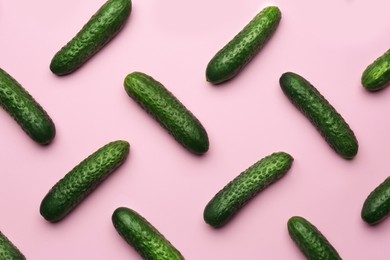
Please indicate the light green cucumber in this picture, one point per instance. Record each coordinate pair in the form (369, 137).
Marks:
(227, 202)
(69, 192)
(377, 75)
(9, 251)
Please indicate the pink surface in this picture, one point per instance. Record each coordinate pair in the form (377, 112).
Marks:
(328, 42)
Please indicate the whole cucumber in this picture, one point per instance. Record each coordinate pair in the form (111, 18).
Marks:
(142, 236)
(96, 33)
(377, 205)
(232, 58)
(25, 110)
(9, 251)
(69, 192)
(321, 114)
(227, 202)
(155, 99)
(310, 240)
(377, 75)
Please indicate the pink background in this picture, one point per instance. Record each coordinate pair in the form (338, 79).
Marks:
(328, 42)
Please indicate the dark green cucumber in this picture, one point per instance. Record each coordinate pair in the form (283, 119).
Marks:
(322, 115)
(82, 180)
(377, 205)
(9, 251)
(153, 97)
(377, 75)
(232, 58)
(142, 236)
(227, 202)
(25, 110)
(96, 33)
(310, 241)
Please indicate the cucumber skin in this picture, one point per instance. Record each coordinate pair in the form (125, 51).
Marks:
(142, 236)
(96, 33)
(377, 75)
(67, 193)
(171, 114)
(9, 251)
(236, 54)
(25, 110)
(321, 114)
(227, 202)
(377, 205)
(310, 240)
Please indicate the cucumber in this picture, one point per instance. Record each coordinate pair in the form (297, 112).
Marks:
(377, 75)
(25, 110)
(9, 251)
(310, 241)
(377, 205)
(171, 114)
(227, 202)
(321, 114)
(67, 193)
(96, 33)
(232, 58)
(142, 236)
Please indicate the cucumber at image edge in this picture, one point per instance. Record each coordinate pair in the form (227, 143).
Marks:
(25, 110)
(377, 75)
(96, 33)
(376, 207)
(321, 114)
(67, 193)
(171, 114)
(310, 240)
(9, 250)
(227, 202)
(236, 54)
(142, 236)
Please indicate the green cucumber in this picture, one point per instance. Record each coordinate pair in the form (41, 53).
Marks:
(227, 202)
(232, 58)
(69, 192)
(377, 75)
(321, 114)
(310, 240)
(9, 251)
(171, 114)
(25, 110)
(96, 33)
(142, 236)
(377, 205)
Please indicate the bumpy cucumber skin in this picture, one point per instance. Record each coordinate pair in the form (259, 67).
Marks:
(377, 75)
(96, 33)
(67, 193)
(155, 99)
(25, 110)
(377, 205)
(9, 251)
(142, 236)
(232, 58)
(310, 240)
(227, 202)
(321, 114)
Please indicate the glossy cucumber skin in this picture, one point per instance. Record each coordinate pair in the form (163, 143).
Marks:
(96, 33)
(67, 193)
(25, 110)
(171, 114)
(377, 75)
(227, 202)
(235, 55)
(377, 205)
(310, 240)
(142, 236)
(321, 114)
(9, 251)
